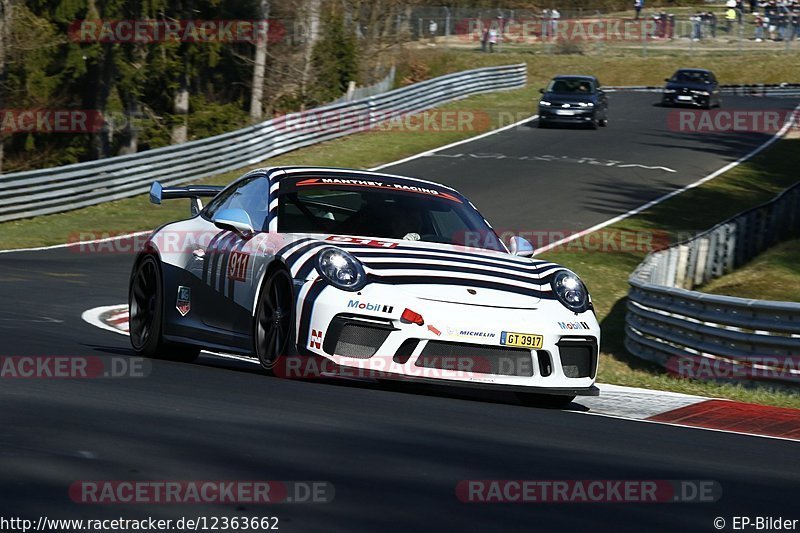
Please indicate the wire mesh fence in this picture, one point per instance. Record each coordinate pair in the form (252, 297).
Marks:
(589, 31)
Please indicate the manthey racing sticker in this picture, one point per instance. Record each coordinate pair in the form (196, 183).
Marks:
(374, 184)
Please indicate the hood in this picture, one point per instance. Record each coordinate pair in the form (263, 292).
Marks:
(440, 272)
(691, 86)
(556, 98)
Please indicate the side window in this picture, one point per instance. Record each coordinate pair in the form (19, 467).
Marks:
(250, 195)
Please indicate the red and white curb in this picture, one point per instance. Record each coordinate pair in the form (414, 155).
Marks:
(615, 401)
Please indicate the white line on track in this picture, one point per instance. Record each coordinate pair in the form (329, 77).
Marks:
(783, 131)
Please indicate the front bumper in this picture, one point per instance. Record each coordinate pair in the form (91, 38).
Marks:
(458, 343)
(566, 116)
(693, 100)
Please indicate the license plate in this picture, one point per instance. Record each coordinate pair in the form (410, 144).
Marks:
(565, 112)
(684, 98)
(523, 340)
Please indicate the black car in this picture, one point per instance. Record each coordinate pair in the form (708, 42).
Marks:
(573, 100)
(694, 87)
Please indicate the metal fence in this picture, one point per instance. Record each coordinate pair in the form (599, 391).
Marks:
(359, 93)
(593, 33)
(668, 323)
(54, 190)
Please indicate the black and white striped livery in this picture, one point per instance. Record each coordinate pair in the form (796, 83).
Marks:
(361, 268)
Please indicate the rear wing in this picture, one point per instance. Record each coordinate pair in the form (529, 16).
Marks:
(193, 192)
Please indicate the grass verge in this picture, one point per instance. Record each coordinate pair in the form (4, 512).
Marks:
(773, 275)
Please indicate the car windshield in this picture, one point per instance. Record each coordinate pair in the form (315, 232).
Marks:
(564, 86)
(690, 76)
(384, 210)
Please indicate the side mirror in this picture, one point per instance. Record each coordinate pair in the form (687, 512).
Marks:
(520, 247)
(666, 80)
(541, 91)
(236, 220)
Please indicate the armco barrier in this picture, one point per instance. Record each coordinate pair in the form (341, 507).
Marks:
(788, 90)
(53, 190)
(667, 321)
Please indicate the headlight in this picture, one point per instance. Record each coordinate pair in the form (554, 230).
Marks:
(341, 269)
(545, 103)
(586, 104)
(570, 291)
(703, 93)
(670, 91)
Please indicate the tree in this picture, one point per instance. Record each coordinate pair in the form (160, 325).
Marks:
(262, 36)
(335, 58)
(5, 25)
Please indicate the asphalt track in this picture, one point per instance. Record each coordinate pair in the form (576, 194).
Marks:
(394, 454)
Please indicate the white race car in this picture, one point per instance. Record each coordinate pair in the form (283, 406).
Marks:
(344, 272)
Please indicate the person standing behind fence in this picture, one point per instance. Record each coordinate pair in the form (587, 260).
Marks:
(484, 39)
(433, 29)
(492, 39)
(555, 16)
(730, 16)
(697, 21)
(759, 22)
(638, 5)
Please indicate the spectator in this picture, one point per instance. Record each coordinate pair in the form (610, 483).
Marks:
(638, 5)
(730, 18)
(545, 24)
(555, 16)
(796, 21)
(492, 39)
(697, 22)
(753, 6)
(759, 22)
(484, 39)
(433, 29)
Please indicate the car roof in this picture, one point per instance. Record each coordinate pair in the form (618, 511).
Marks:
(693, 70)
(574, 77)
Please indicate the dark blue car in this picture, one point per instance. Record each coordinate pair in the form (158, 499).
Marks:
(692, 87)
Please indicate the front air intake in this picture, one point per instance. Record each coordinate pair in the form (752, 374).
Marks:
(578, 356)
(357, 337)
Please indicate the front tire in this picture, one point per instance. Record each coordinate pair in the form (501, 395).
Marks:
(146, 312)
(274, 320)
(547, 401)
